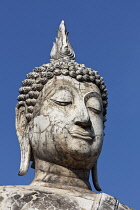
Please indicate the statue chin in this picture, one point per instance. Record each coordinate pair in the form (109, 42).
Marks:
(80, 155)
(86, 150)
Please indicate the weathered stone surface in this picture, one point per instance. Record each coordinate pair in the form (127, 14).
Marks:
(41, 198)
(60, 127)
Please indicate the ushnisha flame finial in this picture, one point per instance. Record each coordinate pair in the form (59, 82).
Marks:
(62, 48)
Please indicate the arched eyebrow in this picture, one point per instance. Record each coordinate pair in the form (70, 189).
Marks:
(64, 87)
(54, 90)
(92, 94)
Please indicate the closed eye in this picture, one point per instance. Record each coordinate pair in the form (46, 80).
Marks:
(94, 105)
(94, 110)
(63, 97)
(61, 103)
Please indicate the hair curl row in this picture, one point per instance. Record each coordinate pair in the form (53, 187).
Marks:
(31, 87)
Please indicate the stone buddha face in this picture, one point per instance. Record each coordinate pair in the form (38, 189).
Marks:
(68, 127)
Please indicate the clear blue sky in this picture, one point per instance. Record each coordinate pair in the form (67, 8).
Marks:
(105, 35)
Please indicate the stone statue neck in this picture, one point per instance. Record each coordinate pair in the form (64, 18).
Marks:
(56, 176)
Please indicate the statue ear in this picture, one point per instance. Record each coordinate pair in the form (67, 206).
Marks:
(22, 130)
(95, 177)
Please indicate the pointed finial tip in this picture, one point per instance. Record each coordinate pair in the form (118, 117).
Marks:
(62, 22)
(62, 47)
(62, 25)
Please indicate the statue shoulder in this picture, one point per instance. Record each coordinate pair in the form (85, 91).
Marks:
(109, 202)
(40, 198)
(15, 197)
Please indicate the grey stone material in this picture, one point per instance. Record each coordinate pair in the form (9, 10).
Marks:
(41, 198)
(60, 120)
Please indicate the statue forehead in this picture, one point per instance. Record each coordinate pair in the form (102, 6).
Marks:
(59, 81)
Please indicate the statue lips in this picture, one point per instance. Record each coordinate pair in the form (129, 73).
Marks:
(82, 134)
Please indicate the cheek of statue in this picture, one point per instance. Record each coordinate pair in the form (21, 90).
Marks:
(52, 140)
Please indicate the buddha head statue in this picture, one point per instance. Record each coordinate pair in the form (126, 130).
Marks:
(61, 112)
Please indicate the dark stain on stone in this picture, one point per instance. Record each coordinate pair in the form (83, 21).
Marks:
(15, 207)
(16, 197)
(28, 197)
(1, 198)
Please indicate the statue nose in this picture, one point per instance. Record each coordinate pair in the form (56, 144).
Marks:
(82, 118)
(83, 123)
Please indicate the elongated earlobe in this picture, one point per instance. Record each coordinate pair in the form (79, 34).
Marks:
(23, 138)
(25, 156)
(95, 177)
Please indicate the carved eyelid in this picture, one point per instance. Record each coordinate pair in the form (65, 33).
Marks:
(92, 101)
(62, 96)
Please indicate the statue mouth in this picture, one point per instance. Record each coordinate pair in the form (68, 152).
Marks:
(80, 134)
